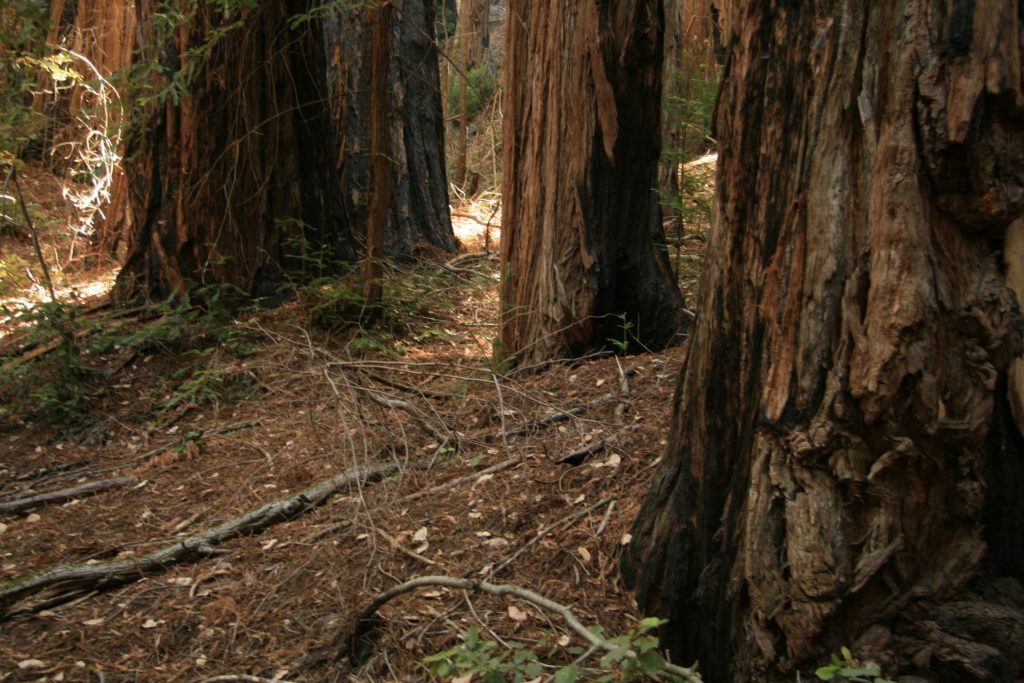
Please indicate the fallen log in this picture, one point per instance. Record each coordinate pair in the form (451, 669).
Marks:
(72, 580)
(47, 497)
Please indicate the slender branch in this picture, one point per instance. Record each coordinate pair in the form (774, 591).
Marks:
(364, 621)
(19, 504)
(13, 174)
(245, 678)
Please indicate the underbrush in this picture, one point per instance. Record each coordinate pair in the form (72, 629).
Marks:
(63, 365)
(60, 368)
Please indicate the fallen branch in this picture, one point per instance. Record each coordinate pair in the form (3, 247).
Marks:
(244, 678)
(19, 504)
(576, 458)
(393, 542)
(562, 416)
(504, 465)
(557, 526)
(409, 409)
(364, 622)
(197, 435)
(75, 579)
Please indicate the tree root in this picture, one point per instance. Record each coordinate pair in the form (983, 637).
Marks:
(68, 581)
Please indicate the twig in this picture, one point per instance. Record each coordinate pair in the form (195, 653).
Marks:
(559, 417)
(577, 457)
(73, 579)
(393, 542)
(364, 621)
(406, 407)
(604, 521)
(511, 462)
(501, 412)
(546, 422)
(13, 174)
(186, 438)
(557, 526)
(19, 504)
(246, 678)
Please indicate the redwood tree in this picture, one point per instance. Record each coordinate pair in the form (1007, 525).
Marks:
(845, 460)
(230, 179)
(419, 199)
(582, 244)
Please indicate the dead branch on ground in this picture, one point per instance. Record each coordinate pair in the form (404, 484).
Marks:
(20, 504)
(365, 620)
(72, 580)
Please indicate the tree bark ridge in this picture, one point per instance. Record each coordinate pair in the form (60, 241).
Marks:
(840, 464)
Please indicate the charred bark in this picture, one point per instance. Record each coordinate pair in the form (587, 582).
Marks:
(231, 182)
(419, 205)
(583, 255)
(843, 463)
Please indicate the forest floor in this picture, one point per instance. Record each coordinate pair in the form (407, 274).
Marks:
(193, 418)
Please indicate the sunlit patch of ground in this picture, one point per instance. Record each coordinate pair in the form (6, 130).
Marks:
(76, 271)
(477, 224)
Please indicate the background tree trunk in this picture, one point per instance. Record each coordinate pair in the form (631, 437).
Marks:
(234, 184)
(380, 145)
(419, 205)
(582, 242)
(470, 48)
(844, 467)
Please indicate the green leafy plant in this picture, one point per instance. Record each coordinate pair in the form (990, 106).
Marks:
(485, 659)
(849, 669)
(483, 82)
(622, 345)
(53, 386)
(632, 656)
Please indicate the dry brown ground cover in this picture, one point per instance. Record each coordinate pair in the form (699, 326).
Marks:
(305, 405)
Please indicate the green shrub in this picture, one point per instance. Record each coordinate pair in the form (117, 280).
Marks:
(483, 82)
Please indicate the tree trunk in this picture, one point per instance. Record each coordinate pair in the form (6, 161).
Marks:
(672, 125)
(419, 204)
(380, 145)
(470, 45)
(583, 257)
(231, 182)
(844, 465)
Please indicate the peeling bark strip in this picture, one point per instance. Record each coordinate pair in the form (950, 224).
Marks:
(844, 467)
(68, 581)
(582, 241)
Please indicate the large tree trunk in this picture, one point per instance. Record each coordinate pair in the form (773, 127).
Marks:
(582, 243)
(232, 183)
(844, 465)
(419, 201)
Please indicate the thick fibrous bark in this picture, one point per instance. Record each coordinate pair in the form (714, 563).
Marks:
(235, 184)
(582, 244)
(842, 466)
(419, 205)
